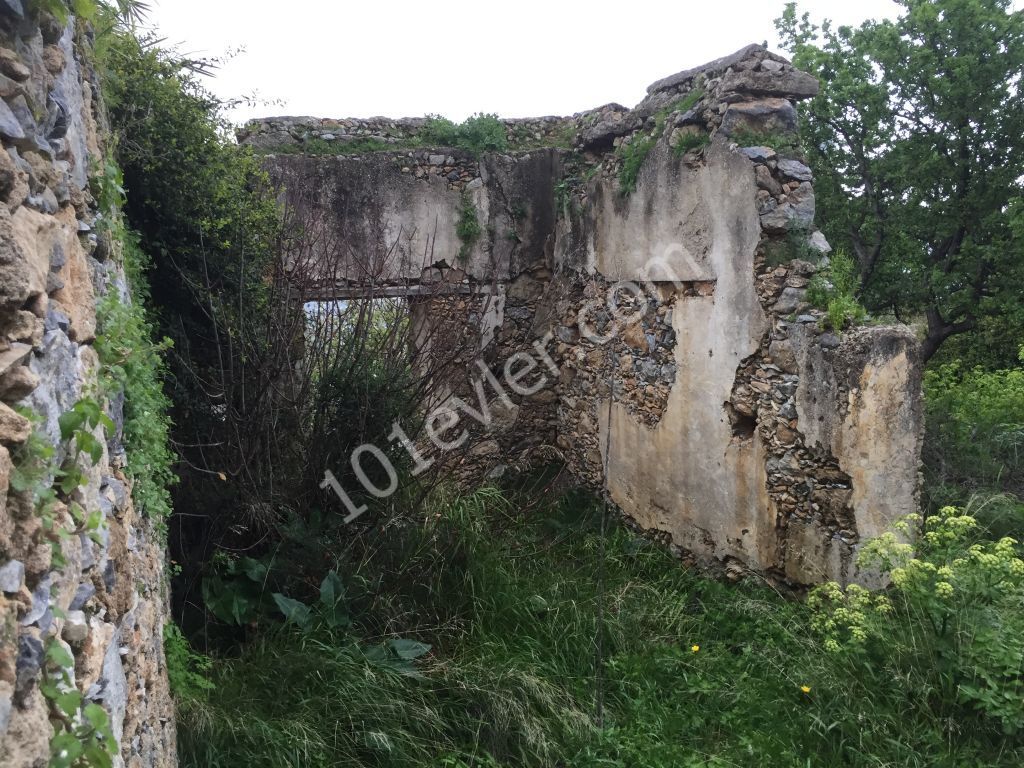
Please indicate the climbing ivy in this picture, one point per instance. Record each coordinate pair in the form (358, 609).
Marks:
(82, 736)
(35, 476)
(132, 360)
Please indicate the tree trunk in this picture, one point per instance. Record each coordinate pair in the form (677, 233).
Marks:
(939, 330)
(931, 344)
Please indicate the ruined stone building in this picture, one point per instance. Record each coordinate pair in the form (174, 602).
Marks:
(696, 385)
(710, 404)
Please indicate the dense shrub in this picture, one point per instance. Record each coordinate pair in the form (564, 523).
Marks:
(975, 427)
(267, 392)
(477, 133)
(202, 215)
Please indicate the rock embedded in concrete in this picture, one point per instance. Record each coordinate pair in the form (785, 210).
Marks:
(83, 594)
(794, 169)
(29, 662)
(748, 54)
(764, 116)
(13, 357)
(17, 382)
(14, 7)
(818, 242)
(12, 576)
(10, 126)
(76, 628)
(759, 154)
(14, 428)
(788, 84)
(794, 212)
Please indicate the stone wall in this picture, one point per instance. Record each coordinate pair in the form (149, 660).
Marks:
(106, 603)
(696, 387)
(298, 134)
(391, 219)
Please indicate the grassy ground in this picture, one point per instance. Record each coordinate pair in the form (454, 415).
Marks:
(692, 673)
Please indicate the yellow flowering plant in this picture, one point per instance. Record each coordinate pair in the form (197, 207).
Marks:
(954, 607)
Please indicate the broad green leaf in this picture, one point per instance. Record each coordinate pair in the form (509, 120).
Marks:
(408, 649)
(65, 748)
(293, 610)
(254, 569)
(70, 479)
(96, 715)
(59, 655)
(88, 444)
(100, 755)
(331, 589)
(69, 422)
(240, 607)
(20, 481)
(69, 702)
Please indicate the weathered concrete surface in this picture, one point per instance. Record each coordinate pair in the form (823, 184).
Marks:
(861, 401)
(372, 220)
(664, 229)
(688, 475)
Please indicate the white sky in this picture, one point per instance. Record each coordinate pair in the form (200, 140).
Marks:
(518, 58)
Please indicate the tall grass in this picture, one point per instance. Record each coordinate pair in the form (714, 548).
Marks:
(691, 672)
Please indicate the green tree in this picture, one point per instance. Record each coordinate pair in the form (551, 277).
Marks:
(210, 226)
(917, 142)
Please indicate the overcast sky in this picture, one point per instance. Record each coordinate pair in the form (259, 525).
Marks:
(518, 58)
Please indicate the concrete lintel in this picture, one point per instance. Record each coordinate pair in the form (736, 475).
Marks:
(417, 290)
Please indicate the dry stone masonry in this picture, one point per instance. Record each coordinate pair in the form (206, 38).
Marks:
(104, 606)
(711, 406)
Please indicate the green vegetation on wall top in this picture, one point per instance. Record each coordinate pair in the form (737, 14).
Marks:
(633, 151)
(476, 134)
(834, 290)
(688, 142)
(468, 226)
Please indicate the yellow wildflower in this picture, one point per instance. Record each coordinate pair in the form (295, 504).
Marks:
(694, 648)
(805, 688)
